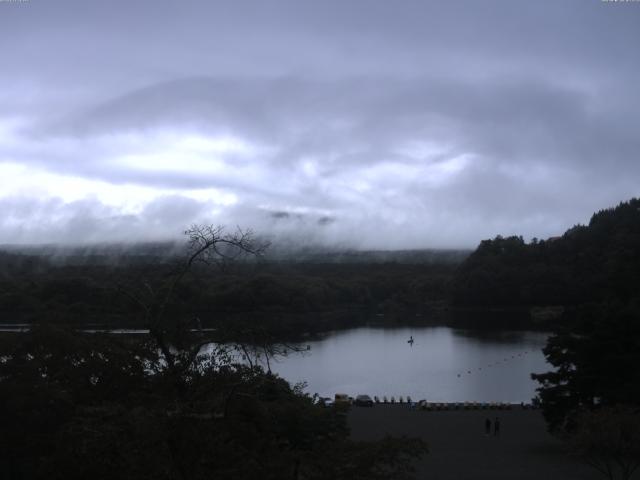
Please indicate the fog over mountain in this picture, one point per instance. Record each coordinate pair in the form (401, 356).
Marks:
(362, 124)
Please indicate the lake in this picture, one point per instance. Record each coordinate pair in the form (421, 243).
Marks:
(442, 365)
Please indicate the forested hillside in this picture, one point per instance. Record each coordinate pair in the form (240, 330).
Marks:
(287, 295)
(587, 264)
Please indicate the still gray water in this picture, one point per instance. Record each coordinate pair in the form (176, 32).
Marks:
(442, 364)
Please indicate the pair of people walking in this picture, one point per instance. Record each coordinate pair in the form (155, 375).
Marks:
(496, 426)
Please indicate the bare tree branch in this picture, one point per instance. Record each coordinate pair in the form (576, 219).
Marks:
(207, 244)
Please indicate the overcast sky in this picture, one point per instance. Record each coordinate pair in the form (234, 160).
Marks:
(372, 124)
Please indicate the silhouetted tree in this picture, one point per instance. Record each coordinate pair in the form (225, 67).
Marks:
(595, 353)
(608, 439)
(209, 245)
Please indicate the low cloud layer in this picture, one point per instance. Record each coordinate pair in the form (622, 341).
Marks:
(360, 124)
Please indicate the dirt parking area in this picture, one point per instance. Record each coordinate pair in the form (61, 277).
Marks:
(460, 450)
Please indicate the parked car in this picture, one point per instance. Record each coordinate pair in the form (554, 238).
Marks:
(364, 401)
(342, 399)
(325, 402)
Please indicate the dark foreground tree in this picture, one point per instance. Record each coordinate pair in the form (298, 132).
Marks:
(595, 352)
(608, 439)
(75, 405)
(592, 399)
(208, 246)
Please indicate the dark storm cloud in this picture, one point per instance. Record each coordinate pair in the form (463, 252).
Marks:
(447, 121)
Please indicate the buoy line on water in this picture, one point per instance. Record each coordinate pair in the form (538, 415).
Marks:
(496, 363)
(490, 365)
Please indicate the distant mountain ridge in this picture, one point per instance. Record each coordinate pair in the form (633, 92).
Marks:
(153, 252)
(418, 256)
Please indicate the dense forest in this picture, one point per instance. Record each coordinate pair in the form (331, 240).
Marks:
(588, 263)
(319, 290)
(311, 290)
(299, 293)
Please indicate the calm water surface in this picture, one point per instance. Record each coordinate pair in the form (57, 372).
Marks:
(442, 365)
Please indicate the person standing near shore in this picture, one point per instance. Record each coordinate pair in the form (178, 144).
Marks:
(487, 426)
(496, 427)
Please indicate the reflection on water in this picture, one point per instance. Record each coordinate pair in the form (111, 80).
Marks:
(26, 327)
(442, 364)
